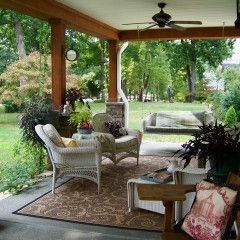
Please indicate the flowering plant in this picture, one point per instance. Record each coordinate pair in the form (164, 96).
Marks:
(82, 117)
(85, 125)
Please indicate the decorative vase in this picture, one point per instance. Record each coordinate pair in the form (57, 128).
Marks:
(85, 130)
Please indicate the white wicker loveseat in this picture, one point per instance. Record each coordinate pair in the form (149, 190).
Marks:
(176, 121)
(82, 161)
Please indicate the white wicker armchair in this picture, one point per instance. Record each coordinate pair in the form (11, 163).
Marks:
(83, 161)
(119, 148)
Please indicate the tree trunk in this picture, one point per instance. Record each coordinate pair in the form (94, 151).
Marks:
(140, 96)
(20, 39)
(103, 77)
(191, 78)
(194, 79)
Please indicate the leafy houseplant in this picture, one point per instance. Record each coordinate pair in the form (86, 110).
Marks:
(82, 117)
(219, 145)
(73, 95)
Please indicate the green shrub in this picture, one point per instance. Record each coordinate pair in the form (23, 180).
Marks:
(10, 107)
(35, 111)
(29, 161)
(230, 117)
(216, 100)
(232, 98)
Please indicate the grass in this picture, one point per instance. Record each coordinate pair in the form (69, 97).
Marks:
(9, 135)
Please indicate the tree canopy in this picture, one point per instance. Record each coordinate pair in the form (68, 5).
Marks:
(149, 69)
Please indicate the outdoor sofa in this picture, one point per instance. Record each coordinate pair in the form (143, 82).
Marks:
(186, 122)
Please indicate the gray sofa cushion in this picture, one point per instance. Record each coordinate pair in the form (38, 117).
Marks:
(179, 119)
(176, 121)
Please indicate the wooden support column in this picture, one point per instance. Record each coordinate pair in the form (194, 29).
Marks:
(58, 62)
(113, 48)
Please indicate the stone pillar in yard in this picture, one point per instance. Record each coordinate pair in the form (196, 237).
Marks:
(116, 110)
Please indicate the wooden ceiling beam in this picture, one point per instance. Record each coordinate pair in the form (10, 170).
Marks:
(51, 9)
(171, 34)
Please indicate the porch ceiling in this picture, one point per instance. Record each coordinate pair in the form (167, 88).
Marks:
(114, 13)
(104, 18)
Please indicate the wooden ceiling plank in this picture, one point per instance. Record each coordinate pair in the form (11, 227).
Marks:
(49, 9)
(171, 34)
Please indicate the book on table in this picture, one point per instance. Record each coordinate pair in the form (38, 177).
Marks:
(158, 176)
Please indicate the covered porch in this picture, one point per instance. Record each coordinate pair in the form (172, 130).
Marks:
(98, 21)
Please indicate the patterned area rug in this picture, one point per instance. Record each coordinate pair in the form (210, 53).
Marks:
(77, 200)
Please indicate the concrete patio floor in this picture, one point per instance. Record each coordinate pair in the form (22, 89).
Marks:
(17, 227)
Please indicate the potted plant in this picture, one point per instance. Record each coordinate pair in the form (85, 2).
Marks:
(217, 144)
(82, 118)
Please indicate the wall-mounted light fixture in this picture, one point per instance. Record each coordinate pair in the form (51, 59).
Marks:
(71, 55)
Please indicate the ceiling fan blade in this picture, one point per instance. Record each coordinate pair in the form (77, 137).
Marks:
(153, 25)
(137, 23)
(186, 22)
(176, 27)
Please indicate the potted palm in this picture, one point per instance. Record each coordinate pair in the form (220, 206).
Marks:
(82, 118)
(217, 144)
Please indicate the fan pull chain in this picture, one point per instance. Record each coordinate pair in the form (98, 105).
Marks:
(223, 29)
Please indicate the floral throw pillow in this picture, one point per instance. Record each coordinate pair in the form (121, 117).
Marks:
(116, 129)
(210, 212)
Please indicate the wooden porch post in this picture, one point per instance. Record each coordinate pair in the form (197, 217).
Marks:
(58, 62)
(113, 47)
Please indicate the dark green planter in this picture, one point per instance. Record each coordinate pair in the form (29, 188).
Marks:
(230, 164)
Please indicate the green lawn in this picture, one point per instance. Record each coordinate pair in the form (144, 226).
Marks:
(10, 133)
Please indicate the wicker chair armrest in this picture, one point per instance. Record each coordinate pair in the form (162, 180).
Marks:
(77, 150)
(136, 133)
(106, 140)
(88, 143)
(133, 132)
(106, 137)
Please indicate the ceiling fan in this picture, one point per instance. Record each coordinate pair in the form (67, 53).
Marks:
(163, 19)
